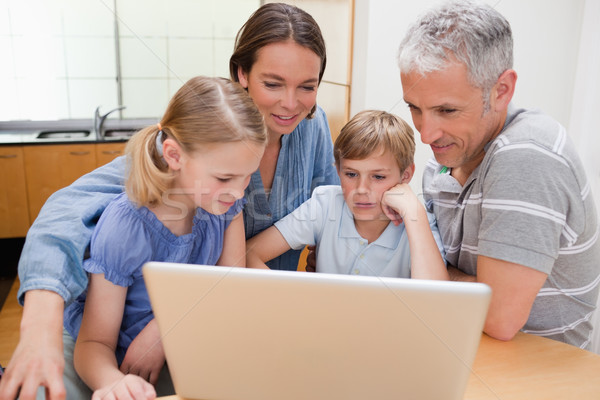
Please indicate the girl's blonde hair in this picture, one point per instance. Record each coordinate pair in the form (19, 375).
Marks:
(203, 111)
(373, 131)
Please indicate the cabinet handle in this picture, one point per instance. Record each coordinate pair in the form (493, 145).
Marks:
(8, 156)
(111, 152)
(79, 153)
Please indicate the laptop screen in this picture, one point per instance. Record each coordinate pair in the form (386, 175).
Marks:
(236, 333)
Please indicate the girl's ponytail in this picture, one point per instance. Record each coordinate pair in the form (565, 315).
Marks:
(148, 176)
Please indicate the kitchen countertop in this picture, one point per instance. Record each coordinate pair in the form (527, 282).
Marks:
(75, 131)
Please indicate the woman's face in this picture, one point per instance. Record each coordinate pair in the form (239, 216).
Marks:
(283, 83)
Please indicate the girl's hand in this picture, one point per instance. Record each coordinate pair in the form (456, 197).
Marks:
(145, 356)
(129, 387)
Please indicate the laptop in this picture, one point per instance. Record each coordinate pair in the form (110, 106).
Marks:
(244, 334)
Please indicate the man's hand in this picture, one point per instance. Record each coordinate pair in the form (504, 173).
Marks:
(38, 359)
(145, 356)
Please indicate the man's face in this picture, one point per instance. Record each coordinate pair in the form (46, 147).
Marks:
(449, 114)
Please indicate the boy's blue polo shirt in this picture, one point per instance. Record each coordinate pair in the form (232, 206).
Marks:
(326, 221)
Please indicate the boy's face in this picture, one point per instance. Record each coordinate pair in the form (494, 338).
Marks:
(365, 181)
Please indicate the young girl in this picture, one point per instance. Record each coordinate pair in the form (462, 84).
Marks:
(183, 203)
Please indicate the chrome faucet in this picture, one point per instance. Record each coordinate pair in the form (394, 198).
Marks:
(99, 121)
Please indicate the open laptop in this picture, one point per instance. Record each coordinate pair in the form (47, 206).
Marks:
(244, 334)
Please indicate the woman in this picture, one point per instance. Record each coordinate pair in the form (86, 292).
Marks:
(298, 158)
(279, 57)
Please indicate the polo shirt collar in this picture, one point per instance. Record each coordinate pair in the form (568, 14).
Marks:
(389, 238)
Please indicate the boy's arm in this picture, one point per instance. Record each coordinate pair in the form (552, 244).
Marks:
(265, 246)
(401, 205)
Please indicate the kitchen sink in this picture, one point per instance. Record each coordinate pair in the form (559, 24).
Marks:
(119, 133)
(63, 134)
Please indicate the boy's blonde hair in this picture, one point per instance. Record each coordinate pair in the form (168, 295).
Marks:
(203, 111)
(373, 131)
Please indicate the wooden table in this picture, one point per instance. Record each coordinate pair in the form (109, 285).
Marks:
(529, 368)
(532, 367)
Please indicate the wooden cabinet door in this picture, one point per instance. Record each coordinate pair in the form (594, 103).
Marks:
(106, 152)
(14, 216)
(52, 167)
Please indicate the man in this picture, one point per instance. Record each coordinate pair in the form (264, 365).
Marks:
(511, 198)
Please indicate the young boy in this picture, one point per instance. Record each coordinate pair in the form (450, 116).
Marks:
(373, 224)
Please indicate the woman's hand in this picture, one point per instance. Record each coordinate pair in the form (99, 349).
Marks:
(145, 356)
(38, 359)
(129, 387)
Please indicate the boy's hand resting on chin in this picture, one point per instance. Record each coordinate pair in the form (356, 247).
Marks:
(400, 203)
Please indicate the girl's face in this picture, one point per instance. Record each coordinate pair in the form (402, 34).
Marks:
(283, 83)
(215, 177)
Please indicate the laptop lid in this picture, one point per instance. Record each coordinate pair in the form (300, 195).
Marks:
(236, 333)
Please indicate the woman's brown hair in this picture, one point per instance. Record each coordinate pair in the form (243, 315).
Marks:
(273, 23)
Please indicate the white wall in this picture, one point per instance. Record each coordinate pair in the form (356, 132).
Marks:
(545, 55)
(59, 57)
(583, 126)
(557, 58)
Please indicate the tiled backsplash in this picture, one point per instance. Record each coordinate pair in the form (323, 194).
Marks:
(59, 57)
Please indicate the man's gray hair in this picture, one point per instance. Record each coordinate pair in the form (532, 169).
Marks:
(473, 33)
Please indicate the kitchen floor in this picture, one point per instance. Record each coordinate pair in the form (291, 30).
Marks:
(11, 251)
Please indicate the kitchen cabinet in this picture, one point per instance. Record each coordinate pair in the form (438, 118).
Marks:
(14, 214)
(52, 167)
(106, 152)
(31, 173)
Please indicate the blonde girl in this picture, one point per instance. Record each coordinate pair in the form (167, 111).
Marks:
(183, 203)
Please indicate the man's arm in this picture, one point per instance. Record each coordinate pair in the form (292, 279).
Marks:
(514, 288)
